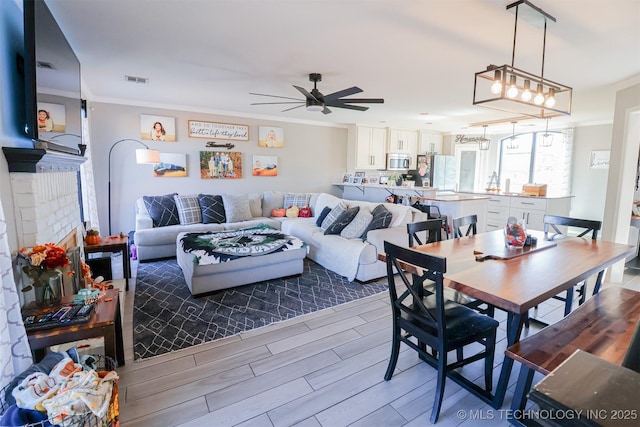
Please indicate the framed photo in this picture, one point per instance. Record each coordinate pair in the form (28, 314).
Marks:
(220, 165)
(172, 165)
(357, 180)
(157, 128)
(373, 180)
(345, 178)
(51, 117)
(365, 180)
(265, 165)
(351, 179)
(600, 159)
(231, 131)
(360, 173)
(269, 136)
(383, 180)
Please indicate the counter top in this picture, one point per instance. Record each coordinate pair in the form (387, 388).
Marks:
(500, 193)
(454, 198)
(385, 186)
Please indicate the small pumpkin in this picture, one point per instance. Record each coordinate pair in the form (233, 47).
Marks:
(93, 237)
(278, 213)
(293, 212)
(305, 212)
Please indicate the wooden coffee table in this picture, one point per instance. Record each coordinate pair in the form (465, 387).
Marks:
(106, 321)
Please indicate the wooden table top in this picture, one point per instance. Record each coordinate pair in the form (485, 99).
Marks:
(109, 242)
(522, 282)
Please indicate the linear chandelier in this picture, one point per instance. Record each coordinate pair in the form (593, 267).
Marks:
(510, 89)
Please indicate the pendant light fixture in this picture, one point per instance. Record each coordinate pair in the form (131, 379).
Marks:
(547, 138)
(507, 88)
(513, 143)
(485, 142)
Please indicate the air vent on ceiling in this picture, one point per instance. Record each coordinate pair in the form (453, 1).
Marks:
(47, 65)
(134, 79)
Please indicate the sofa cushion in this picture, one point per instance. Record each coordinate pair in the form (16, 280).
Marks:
(333, 215)
(236, 208)
(255, 204)
(272, 200)
(323, 215)
(162, 209)
(212, 209)
(381, 219)
(296, 199)
(188, 209)
(342, 221)
(358, 225)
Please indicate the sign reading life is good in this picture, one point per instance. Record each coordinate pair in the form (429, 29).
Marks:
(198, 129)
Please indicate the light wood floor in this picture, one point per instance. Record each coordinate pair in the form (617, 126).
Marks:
(322, 369)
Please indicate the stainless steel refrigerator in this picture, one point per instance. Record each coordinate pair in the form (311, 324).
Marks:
(437, 171)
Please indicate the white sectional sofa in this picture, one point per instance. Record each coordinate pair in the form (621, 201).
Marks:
(356, 259)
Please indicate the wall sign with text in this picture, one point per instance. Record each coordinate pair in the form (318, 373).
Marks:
(234, 132)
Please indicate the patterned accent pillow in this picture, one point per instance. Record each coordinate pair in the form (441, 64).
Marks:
(342, 221)
(381, 219)
(323, 215)
(162, 209)
(188, 209)
(212, 209)
(236, 208)
(333, 215)
(296, 199)
(357, 226)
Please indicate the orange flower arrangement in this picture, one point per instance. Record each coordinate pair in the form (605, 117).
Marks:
(45, 261)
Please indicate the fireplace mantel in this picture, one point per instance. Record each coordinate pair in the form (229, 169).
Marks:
(39, 160)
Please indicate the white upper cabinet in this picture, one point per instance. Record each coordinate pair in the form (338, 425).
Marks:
(430, 142)
(403, 141)
(371, 146)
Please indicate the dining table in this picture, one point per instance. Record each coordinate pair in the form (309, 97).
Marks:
(515, 280)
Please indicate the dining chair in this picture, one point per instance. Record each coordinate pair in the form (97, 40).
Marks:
(435, 322)
(587, 226)
(431, 227)
(470, 221)
(632, 356)
(433, 212)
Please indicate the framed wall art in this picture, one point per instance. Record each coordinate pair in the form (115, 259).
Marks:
(265, 165)
(230, 131)
(269, 136)
(220, 165)
(157, 128)
(51, 117)
(172, 165)
(600, 159)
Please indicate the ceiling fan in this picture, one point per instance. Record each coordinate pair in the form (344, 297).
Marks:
(316, 101)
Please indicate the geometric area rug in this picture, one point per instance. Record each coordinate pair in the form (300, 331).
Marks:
(166, 317)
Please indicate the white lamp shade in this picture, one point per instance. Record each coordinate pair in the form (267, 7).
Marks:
(147, 156)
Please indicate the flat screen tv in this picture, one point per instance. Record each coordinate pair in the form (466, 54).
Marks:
(52, 77)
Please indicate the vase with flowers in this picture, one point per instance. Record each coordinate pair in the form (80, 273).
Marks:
(45, 268)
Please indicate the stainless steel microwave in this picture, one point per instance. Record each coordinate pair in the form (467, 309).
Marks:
(399, 161)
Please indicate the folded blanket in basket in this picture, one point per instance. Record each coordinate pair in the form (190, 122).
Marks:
(19, 417)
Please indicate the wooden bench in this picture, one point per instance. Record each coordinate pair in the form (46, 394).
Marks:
(603, 326)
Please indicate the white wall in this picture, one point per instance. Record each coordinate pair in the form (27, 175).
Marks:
(589, 186)
(312, 159)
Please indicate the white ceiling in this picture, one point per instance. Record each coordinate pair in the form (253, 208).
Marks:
(419, 55)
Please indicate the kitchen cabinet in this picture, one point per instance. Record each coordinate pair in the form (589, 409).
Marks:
(403, 141)
(371, 148)
(429, 143)
(531, 210)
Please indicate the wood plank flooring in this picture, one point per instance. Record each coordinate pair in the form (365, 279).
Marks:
(322, 369)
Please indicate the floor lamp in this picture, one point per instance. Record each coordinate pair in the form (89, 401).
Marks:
(144, 155)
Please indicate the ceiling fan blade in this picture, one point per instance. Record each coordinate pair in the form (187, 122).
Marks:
(283, 102)
(361, 100)
(306, 93)
(341, 93)
(293, 108)
(275, 96)
(350, 107)
(325, 110)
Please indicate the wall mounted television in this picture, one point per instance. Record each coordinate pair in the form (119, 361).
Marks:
(52, 77)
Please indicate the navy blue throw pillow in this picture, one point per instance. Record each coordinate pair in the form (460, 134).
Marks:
(162, 209)
(323, 215)
(212, 208)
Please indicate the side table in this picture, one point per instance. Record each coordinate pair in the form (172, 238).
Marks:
(106, 321)
(114, 244)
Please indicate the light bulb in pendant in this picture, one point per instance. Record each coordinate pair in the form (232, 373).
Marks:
(526, 93)
(496, 87)
(512, 92)
(551, 99)
(539, 98)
